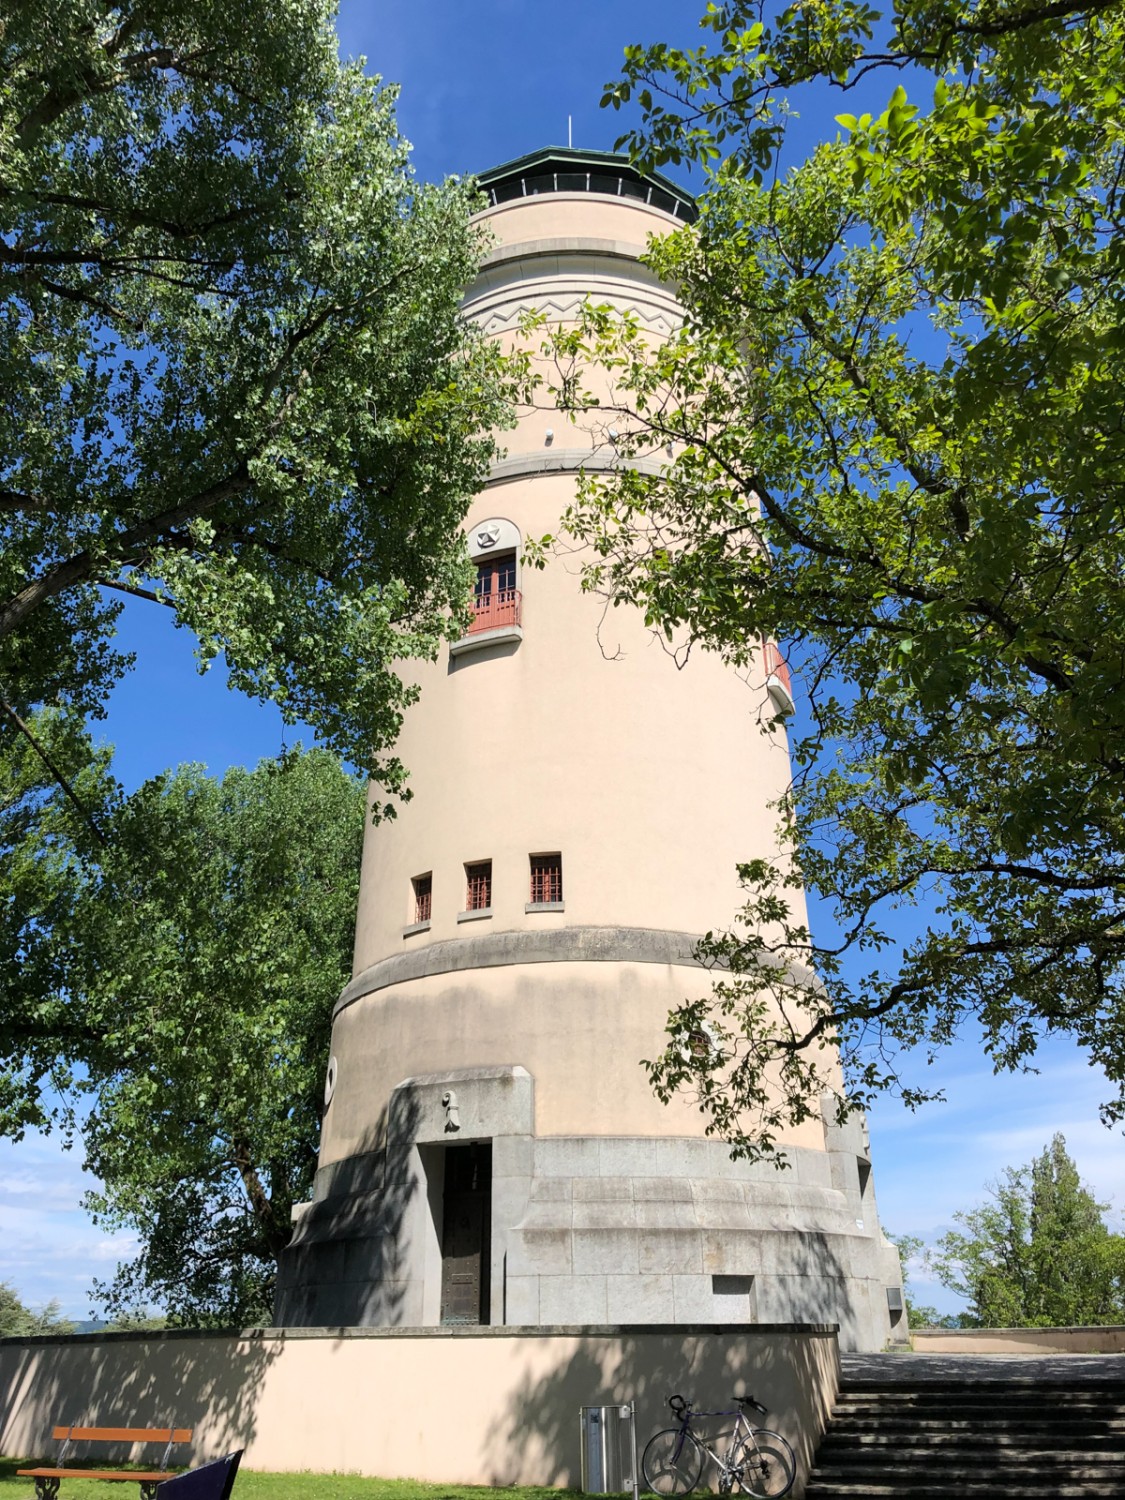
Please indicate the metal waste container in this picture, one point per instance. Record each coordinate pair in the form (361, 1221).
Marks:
(609, 1449)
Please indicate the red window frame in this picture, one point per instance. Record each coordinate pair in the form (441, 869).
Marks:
(546, 879)
(423, 897)
(478, 885)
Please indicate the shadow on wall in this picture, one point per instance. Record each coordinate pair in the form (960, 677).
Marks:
(807, 1279)
(793, 1374)
(207, 1382)
(346, 1263)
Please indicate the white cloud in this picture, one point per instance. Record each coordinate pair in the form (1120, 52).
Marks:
(49, 1246)
(941, 1158)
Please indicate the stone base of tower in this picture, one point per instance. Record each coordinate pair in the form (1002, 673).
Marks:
(584, 1230)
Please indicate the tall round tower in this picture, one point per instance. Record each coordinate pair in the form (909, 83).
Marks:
(491, 1149)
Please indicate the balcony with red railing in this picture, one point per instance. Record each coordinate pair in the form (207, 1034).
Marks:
(496, 618)
(779, 683)
(495, 610)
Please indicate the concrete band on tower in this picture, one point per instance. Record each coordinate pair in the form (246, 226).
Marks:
(491, 1150)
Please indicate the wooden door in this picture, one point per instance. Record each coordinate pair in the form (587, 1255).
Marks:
(465, 1235)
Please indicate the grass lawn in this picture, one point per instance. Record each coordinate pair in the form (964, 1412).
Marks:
(251, 1486)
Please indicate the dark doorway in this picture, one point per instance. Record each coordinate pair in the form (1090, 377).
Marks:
(465, 1234)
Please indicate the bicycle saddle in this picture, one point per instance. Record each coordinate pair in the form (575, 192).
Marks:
(749, 1401)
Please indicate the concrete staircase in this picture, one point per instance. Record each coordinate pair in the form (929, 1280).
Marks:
(948, 1436)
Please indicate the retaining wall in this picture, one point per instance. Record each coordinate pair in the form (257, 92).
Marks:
(469, 1406)
(1018, 1340)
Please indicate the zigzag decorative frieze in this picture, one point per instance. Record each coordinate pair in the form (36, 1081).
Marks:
(500, 319)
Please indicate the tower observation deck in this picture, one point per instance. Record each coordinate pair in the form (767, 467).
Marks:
(491, 1150)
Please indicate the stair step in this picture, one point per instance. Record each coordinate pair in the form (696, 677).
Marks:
(920, 1401)
(986, 1442)
(1076, 1428)
(999, 1387)
(1030, 1489)
(1018, 1438)
(907, 1465)
(966, 1399)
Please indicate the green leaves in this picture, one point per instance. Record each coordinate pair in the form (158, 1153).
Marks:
(18, 1321)
(206, 950)
(1039, 1255)
(895, 410)
(166, 991)
(237, 376)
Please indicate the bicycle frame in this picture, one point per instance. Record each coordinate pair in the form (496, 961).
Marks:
(756, 1462)
(742, 1431)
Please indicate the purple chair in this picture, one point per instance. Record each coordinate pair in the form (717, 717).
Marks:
(213, 1481)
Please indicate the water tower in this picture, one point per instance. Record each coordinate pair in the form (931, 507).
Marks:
(492, 1152)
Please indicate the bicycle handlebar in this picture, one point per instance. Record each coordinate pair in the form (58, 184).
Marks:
(679, 1405)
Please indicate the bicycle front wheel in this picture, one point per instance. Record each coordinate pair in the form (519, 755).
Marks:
(672, 1462)
(764, 1465)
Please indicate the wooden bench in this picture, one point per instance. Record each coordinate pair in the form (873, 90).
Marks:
(47, 1480)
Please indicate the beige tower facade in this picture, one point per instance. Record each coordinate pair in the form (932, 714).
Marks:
(491, 1149)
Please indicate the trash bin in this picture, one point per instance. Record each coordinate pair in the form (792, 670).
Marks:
(609, 1449)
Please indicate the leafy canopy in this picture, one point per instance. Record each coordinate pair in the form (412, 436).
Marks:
(205, 950)
(20, 1321)
(1039, 1255)
(47, 838)
(235, 377)
(895, 406)
(911, 1249)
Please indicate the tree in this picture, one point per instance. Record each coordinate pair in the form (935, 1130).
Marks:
(18, 1321)
(1040, 1254)
(236, 382)
(895, 411)
(47, 838)
(911, 1247)
(205, 949)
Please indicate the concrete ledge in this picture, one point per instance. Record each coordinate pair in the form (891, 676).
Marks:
(570, 461)
(446, 1331)
(503, 635)
(563, 245)
(644, 945)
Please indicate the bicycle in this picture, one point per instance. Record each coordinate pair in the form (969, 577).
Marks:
(758, 1462)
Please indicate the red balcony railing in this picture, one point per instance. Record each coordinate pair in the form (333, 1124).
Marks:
(777, 666)
(500, 607)
(779, 684)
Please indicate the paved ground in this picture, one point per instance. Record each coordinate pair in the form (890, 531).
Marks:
(908, 1368)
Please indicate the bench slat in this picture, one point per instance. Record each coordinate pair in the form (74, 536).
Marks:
(123, 1434)
(138, 1476)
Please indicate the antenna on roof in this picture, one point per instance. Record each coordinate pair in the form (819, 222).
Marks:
(570, 131)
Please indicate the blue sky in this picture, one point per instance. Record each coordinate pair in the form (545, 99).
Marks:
(481, 84)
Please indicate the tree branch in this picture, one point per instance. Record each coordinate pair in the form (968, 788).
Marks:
(14, 500)
(80, 568)
(136, 590)
(48, 760)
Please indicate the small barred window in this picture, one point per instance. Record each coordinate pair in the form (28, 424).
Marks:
(423, 894)
(478, 880)
(546, 878)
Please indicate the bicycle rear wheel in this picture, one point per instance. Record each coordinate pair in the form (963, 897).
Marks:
(764, 1465)
(672, 1462)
